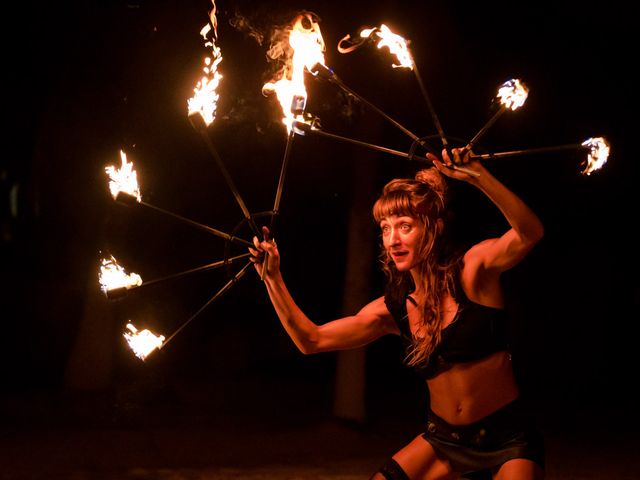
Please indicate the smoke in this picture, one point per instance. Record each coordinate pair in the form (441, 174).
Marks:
(270, 29)
(247, 26)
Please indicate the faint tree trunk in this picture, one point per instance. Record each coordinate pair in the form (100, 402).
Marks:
(90, 365)
(349, 397)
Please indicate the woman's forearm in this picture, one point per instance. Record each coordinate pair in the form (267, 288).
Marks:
(298, 326)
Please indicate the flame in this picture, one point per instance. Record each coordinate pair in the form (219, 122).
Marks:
(513, 94)
(113, 276)
(205, 97)
(598, 154)
(396, 44)
(142, 342)
(124, 179)
(308, 47)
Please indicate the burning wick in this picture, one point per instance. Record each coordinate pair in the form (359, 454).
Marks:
(124, 188)
(205, 99)
(305, 39)
(203, 105)
(397, 46)
(142, 342)
(395, 43)
(512, 95)
(114, 279)
(598, 154)
(123, 179)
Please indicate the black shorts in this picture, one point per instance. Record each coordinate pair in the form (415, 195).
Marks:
(506, 434)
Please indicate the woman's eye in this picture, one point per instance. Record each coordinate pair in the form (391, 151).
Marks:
(406, 227)
(386, 229)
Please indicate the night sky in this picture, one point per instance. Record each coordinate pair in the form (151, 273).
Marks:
(91, 78)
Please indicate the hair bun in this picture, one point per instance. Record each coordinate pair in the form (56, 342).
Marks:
(433, 178)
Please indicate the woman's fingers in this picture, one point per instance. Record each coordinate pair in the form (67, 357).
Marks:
(262, 250)
(267, 245)
(460, 156)
(464, 157)
(445, 157)
(456, 156)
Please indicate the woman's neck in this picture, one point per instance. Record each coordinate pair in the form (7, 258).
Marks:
(418, 282)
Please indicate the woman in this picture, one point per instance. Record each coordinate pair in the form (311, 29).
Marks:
(449, 311)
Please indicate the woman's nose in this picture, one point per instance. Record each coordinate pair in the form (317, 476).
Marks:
(394, 238)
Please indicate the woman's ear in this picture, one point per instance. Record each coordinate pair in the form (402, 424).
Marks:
(439, 226)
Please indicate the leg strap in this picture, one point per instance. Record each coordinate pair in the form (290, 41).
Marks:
(393, 471)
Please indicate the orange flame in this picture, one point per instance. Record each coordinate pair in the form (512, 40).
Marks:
(395, 43)
(113, 276)
(513, 94)
(205, 99)
(308, 47)
(598, 154)
(123, 179)
(142, 342)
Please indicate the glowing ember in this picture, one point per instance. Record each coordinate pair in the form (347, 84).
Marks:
(124, 179)
(113, 276)
(205, 99)
(305, 39)
(396, 44)
(513, 94)
(142, 342)
(598, 154)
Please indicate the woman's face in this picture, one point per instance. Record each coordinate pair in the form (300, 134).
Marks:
(401, 236)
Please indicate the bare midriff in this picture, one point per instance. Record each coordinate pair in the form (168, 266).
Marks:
(468, 392)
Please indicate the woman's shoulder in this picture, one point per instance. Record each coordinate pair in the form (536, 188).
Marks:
(378, 315)
(476, 250)
(474, 260)
(479, 283)
(377, 307)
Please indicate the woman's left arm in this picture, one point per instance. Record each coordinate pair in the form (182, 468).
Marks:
(502, 253)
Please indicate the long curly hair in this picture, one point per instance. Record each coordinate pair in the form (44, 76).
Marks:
(423, 198)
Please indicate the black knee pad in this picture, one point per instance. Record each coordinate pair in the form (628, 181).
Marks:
(393, 471)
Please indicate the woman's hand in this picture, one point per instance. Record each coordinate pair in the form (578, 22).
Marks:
(269, 246)
(463, 167)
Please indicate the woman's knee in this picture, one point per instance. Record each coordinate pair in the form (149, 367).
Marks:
(520, 468)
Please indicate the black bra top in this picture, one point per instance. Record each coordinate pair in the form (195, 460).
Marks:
(476, 332)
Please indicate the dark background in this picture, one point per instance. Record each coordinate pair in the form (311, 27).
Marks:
(90, 78)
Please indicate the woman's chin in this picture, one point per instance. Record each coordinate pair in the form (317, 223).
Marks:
(403, 266)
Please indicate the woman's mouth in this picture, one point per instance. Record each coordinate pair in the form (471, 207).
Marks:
(399, 255)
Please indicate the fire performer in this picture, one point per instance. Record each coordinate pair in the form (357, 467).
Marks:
(448, 309)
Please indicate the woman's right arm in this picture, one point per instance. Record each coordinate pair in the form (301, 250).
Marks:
(370, 323)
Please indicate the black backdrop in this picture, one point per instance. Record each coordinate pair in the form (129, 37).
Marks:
(91, 78)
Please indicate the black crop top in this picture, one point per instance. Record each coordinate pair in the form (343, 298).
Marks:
(476, 332)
